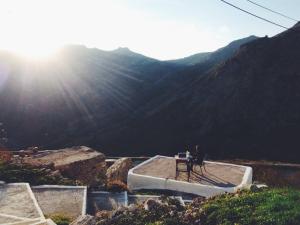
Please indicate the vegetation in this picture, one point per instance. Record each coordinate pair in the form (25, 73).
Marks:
(11, 173)
(272, 207)
(5, 156)
(157, 214)
(257, 207)
(60, 219)
(116, 186)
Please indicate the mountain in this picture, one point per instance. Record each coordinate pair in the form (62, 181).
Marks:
(247, 106)
(124, 103)
(216, 56)
(63, 100)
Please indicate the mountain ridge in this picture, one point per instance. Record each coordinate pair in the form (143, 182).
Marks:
(128, 102)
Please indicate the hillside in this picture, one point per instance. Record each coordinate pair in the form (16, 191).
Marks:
(242, 102)
(49, 103)
(245, 107)
(216, 56)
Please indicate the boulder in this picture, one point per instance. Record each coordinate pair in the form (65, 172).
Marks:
(77, 163)
(103, 214)
(152, 204)
(119, 170)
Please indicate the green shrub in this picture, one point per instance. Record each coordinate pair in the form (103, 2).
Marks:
(60, 219)
(265, 207)
(257, 207)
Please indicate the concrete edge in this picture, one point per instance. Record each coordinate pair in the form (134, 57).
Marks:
(35, 201)
(246, 180)
(32, 198)
(25, 222)
(84, 202)
(163, 179)
(14, 217)
(105, 192)
(84, 199)
(59, 186)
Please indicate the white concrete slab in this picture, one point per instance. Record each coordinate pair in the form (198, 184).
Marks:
(155, 173)
(58, 199)
(17, 204)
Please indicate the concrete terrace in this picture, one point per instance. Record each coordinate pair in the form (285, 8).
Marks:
(67, 200)
(17, 204)
(159, 172)
(21, 204)
(214, 174)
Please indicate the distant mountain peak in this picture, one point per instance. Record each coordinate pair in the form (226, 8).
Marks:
(123, 50)
(217, 56)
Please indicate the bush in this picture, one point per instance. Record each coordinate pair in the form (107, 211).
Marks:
(116, 186)
(5, 156)
(60, 219)
(264, 207)
(260, 207)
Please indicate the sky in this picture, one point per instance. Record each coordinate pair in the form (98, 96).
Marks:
(162, 29)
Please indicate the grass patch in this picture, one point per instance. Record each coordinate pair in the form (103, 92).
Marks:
(60, 219)
(270, 206)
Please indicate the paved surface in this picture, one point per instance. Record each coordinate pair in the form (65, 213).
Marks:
(16, 200)
(214, 174)
(67, 201)
(5, 220)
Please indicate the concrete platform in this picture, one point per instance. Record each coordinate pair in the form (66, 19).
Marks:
(59, 199)
(159, 172)
(18, 205)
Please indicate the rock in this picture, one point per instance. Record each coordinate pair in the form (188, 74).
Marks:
(103, 214)
(132, 207)
(77, 163)
(254, 188)
(37, 164)
(84, 220)
(56, 173)
(32, 150)
(119, 170)
(151, 204)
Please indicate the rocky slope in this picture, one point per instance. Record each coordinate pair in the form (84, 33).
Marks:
(244, 107)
